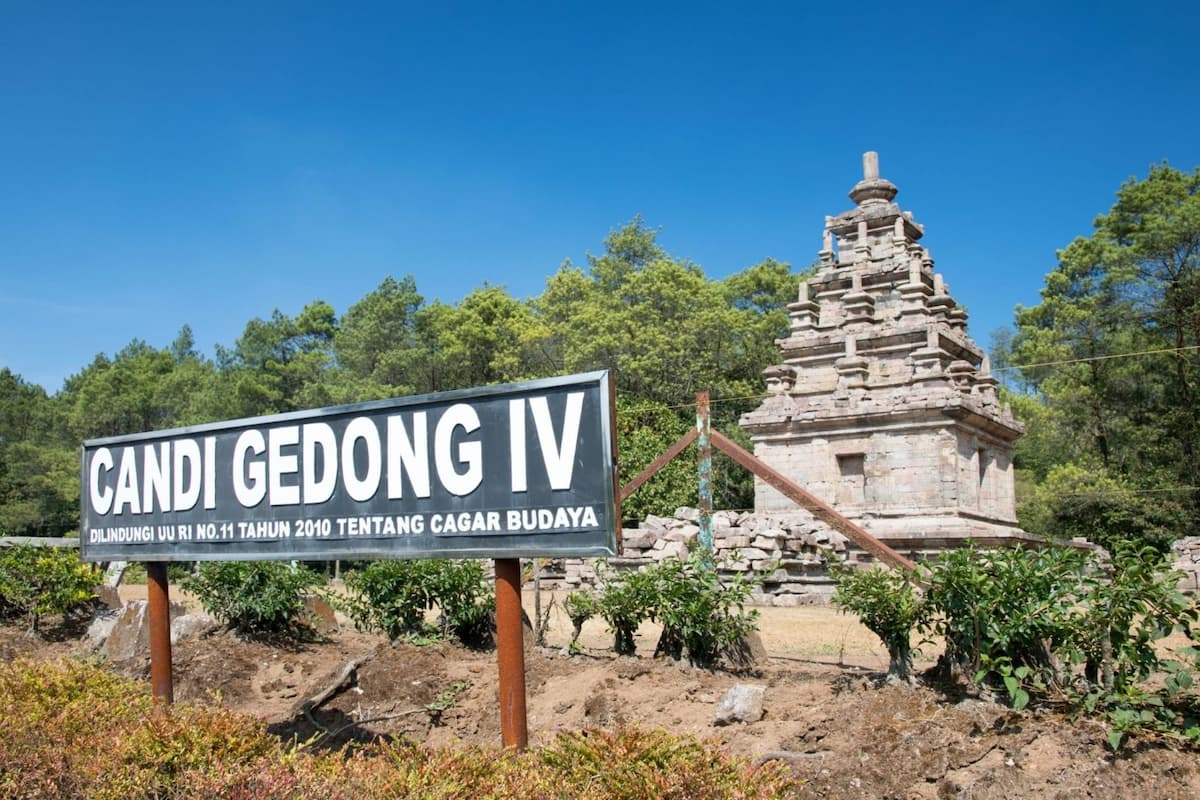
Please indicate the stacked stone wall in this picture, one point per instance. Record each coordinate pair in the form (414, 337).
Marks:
(1187, 561)
(793, 551)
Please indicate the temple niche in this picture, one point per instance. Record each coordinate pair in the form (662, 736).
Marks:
(881, 404)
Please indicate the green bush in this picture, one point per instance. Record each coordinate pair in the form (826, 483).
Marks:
(1055, 624)
(627, 599)
(1066, 624)
(889, 604)
(36, 581)
(1133, 602)
(703, 617)
(1006, 608)
(581, 606)
(393, 596)
(467, 601)
(260, 599)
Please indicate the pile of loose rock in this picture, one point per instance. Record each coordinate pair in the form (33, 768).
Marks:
(791, 550)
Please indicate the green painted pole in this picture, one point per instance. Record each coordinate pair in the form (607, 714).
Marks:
(704, 451)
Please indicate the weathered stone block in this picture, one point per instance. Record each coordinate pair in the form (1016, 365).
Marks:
(656, 525)
(754, 554)
(685, 533)
(638, 540)
(742, 703)
(677, 549)
(768, 542)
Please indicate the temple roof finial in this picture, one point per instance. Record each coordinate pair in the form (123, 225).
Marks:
(872, 189)
(870, 166)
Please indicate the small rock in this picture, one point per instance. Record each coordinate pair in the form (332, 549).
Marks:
(185, 626)
(129, 633)
(753, 647)
(742, 703)
(320, 614)
(128, 636)
(687, 514)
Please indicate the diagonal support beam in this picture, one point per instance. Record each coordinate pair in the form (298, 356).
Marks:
(811, 503)
(658, 463)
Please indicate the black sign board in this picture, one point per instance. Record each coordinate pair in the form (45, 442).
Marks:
(516, 471)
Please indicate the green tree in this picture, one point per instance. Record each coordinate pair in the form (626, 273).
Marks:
(666, 332)
(1133, 286)
(280, 364)
(142, 388)
(482, 340)
(39, 474)
(376, 343)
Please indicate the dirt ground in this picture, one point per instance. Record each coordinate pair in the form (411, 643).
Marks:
(827, 713)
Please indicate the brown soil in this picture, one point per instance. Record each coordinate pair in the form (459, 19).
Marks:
(828, 714)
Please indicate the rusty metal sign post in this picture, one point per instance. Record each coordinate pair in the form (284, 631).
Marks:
(158, 613)
(510, 654)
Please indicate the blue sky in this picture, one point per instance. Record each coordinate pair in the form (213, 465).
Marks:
(173, 163)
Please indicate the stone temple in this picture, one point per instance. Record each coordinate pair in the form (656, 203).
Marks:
(882, 405)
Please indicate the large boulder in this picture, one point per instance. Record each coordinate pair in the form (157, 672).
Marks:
(123, 634)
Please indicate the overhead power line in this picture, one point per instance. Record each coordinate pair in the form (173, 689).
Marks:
(1158, 351)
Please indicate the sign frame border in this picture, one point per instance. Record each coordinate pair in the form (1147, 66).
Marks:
(602, 379)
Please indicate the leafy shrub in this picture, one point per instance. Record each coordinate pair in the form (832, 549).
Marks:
(889, 605)
(581, 606)
(255, 598)
(1005, 608)
(1054, 623)
(467, 602)
(627, 600)
(393, 596)
(1132, 604)
(703, 617)
(1063, 624)
(36, 581)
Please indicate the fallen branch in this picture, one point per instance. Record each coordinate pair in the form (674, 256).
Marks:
(326, 732)
(434, 709)
(344, 678)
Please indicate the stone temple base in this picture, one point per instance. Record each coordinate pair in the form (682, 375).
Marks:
(933, 533)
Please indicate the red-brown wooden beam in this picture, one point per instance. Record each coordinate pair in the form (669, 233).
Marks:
(659, 463)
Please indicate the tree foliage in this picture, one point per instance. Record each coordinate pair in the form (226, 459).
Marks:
(1125, 427)
(663, 328)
